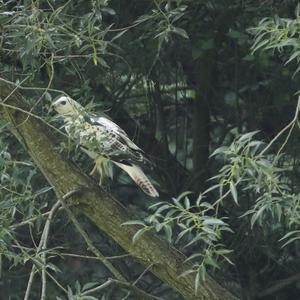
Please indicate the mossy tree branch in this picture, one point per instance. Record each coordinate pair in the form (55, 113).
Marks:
(100, 207)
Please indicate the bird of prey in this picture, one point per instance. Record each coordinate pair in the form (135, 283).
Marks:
(103, 141)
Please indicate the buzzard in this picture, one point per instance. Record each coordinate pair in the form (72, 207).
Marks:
(104, 141)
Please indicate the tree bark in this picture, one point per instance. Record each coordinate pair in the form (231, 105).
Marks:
(199, 75)
(100, 207)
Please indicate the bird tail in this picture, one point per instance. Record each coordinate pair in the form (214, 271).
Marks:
(139, 177)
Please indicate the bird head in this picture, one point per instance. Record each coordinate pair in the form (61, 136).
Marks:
(66, 106)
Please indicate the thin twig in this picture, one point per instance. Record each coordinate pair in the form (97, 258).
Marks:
(17, 85)
(283, 130)
(57, 283)
(138, 292)
(142, 274)
(95, 257)
(29, 283)
(92, 248)
(126, 285)
(29, 221)
(32, 115)
(43, 241)
(98, 288)
(32, 88)
(44, 92)
(39, 264)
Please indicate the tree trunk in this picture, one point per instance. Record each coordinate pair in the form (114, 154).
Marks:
(99, 206)
(200, 75)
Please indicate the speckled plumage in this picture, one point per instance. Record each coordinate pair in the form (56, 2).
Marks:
(103, 140)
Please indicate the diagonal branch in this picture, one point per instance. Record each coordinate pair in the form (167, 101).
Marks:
(123, 284)
(100, 207)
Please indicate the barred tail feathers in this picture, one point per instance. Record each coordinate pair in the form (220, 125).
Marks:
(139, 177)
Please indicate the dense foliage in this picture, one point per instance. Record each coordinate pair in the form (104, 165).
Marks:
(208, 90)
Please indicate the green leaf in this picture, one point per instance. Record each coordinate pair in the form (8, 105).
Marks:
(102, 62)
(170, 213)
(70, 293)
(77, 286)
(223, 251)
(233, 192)
(194, 256)
(220, 150)
(182, 233)
(168, 232)
(139, 233)
(109, 10)
(211, 188)
(48, 96)
(228, 260)
(53, 267)
(206, 205)
(187, 203)
(156, 204)
(256, 46)
(212, 235)
(162, 208)
(158, 227)
(43, 190)
(180, 32)
(290, 241)
(182, 195)
(290, 234)
(134, 222)
(187, 272)
(257, 214)
(247, 136)
(210, 261)
(117, 36)
(89, 298)
(194, 240)
(213, 221)
(296, 54)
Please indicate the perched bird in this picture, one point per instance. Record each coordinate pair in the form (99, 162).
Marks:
(104, 141)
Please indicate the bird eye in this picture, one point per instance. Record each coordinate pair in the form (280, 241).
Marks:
(63, 102)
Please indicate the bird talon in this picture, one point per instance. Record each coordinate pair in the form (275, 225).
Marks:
(93, 170)
(102, 176)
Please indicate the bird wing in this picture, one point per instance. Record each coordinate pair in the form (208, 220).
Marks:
(115, 144)
(123, 152)
(106, 122)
